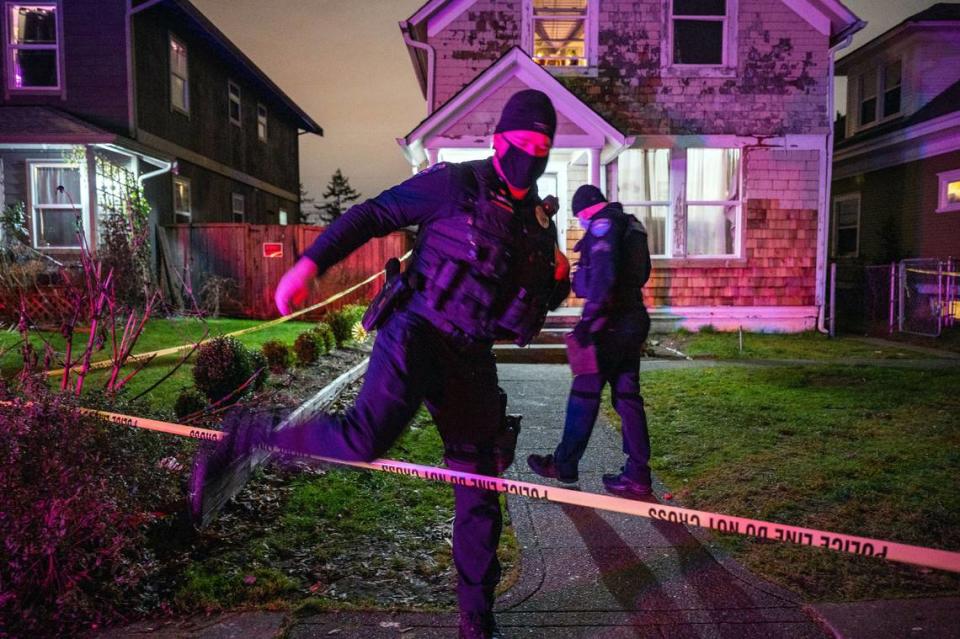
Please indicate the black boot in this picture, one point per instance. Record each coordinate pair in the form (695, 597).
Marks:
(545, 466)
(478, 625)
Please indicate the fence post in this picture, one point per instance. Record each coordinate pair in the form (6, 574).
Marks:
(893, 296)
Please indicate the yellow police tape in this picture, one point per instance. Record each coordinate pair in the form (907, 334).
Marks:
(928, 272)
(758, 529)
(259, 327)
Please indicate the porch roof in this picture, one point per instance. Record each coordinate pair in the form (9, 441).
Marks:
(512, 65)
(46, 125)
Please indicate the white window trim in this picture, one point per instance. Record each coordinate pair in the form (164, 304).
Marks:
(675, 236)
(283, 218)
(242, 212)
(727, 68)
(944, 179)
(188, 213)
(186, 79)
(60, 89)
(266, 122)
(591, 36)
(881, 78)
(231, 86)
(846, 197)
(31, 208)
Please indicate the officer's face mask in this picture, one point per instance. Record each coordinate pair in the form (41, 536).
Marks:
(521, 169)
(584, 222)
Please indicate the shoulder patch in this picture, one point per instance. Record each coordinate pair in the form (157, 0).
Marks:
(599, 228)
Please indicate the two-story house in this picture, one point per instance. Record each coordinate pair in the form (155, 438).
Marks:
(710, 120)
(896, 173)
(103, 95)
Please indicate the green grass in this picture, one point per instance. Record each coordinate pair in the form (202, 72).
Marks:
(810, 345)
(343, 523)
(866, 451)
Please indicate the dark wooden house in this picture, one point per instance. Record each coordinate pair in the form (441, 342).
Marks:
(101, 96)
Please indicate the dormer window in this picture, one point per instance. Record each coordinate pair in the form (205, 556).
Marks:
(891, 88)
(879, 93)
(33, 47)
(559, 33)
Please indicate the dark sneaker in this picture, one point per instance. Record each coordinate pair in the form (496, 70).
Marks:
(243, 432)
(623, 486)
(478, 625)
(544, 466)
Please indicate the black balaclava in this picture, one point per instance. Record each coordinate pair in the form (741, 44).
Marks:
(528, 110)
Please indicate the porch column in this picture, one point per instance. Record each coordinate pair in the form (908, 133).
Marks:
(432, 156)
(594, 165)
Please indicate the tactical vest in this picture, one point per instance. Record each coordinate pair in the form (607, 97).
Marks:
(633, 266)
(481, 272)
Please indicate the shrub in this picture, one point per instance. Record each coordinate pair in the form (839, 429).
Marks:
(223, 365)
(189, 402)
(76, 494)
(277, 354)
(258, 362)
(326, 334)
(308, 347)
(343, 321)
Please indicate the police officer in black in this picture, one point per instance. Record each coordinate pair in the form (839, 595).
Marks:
(484, 267)
(614, 265)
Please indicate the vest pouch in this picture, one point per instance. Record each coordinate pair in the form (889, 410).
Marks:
(522, 317)
(440, 288)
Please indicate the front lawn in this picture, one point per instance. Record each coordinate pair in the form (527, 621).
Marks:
(708, 344)
(865, 451)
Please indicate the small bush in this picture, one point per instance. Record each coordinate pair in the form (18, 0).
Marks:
(343, 321)
(189, 402)
(258, 362)
(277, 354)
(223, 365)
(308, 347)
(326, 333)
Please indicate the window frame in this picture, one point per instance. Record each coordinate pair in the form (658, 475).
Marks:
(729, 49)
(265, 120)
(675, 237)
(591, 38)
(231, 99)
(180, 213)
(9, 48)
(668, 204)
(880, 83)
(943, 181)
(835, 230)
(32, 205)
(243, 207)
(174, 107)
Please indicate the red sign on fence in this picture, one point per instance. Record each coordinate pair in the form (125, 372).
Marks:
(273, 249)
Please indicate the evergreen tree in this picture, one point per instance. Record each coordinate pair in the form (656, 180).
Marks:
(337, 197)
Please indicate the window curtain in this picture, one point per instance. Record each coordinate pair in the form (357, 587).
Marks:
(644, 176)
(712, 176)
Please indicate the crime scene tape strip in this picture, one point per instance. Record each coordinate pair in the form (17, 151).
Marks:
(243, 331)
(851, 544)
(928, 272)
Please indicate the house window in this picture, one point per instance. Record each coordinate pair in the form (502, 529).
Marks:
(949, 199)
(868, 98)
(560, 32)
(56, 215)
(179, 77)
(233, 91)
(182, 205)
(643, 187)
(699, 31)
(689, 201)
(846, 225)
(33, 49)
(238, 205)
(282, 217)
(261, 123)
(891, 88)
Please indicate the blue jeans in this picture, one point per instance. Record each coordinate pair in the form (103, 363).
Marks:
(412, 362)
(618, 353)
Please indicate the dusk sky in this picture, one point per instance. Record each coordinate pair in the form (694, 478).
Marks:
(344, 63)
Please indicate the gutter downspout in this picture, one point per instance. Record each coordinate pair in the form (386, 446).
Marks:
(826, 177)
(431, 54)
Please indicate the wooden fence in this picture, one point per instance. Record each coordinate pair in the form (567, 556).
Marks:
(255, 256)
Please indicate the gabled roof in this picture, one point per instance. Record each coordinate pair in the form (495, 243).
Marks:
(232, 53)
(512, 64)
(939, 15)
(46, 125)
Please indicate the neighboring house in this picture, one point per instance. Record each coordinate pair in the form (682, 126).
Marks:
(709, 119)
(896, 171)
(102, 95)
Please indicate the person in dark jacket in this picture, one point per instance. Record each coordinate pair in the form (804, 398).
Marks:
(614, 265)
(484, 268)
